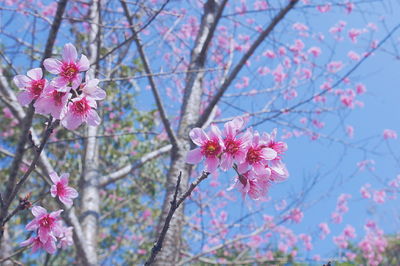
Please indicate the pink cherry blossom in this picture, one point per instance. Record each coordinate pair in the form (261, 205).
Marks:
(32, 85)
(324, 230)
(389, 134)
(45, 222)
(296, 215)
(235, 146)
(49, 245)
(211, 146)
(91, 89)
(52, 101)
(258, 155)
(68, 69)
(61, 189)
(81, 110)
(349, 231)
(65, 237)
(248, 184)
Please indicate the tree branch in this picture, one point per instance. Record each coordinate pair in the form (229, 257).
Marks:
(146, 65)
(174, 206)
(203, 118)
(124, 171)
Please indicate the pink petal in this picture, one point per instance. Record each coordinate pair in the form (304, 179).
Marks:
(35, 73)
(71, 122)
(27, 242)
(38, 211)
(69, 53)
(24, 98)
(198, 136)
(21, 81)
(66, 200)
(43, 234)
(53, 191)
(194, 156)
(32, 225)
(54, 177)
(226, 161)
(83, 64)
(72, 193)
(50, 246)
(59, 82)
(269, 154)
(93, 118)
(212, 164)
(52, 65)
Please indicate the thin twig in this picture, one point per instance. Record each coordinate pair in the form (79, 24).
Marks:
(174, 206)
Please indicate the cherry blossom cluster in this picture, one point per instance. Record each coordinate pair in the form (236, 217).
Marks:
(66, 97)
(255, 158)
(373, 244)
(50, 231)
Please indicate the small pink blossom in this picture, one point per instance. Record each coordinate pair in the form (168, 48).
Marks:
(47, 223)
(91, 89)
(389, 134)
(49, 245)
(53, 101)
(235, 146)
(32, 85)
(68, 69)
(65, 238)
(81, 110)
(61, 189)
(296, 215)
(211, 147)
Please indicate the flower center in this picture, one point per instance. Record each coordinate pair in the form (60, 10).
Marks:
(211, 148)
(81, 107)
(69, 71)
(60, 189)
(253, 155)
(231, 146)
(37, 87)
(57, 96)
(46, 221)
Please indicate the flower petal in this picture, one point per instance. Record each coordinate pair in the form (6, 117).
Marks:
(35, 74)
(212, 164)
(69, 53)
(194, 156)
(93, 119)
(198, 136)
(21, 81)
(83, 64)
(52, 65)
(25, 98)
(38, 211)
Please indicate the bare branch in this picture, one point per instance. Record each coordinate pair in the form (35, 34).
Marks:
(124, 171)
(203, 118)
(174, 205)
(148, 71)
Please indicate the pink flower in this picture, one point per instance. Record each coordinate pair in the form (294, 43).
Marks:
(389, 134)
(66, 237)
(91, 89)
(211, 146)
(248, 184)
(81, 110)
(349, 231)
(379, 196)
(235, 147)
(52, 102)
(45, 222)
(296, 215)
(49, 245)
(324, 230)
(258, 155)
(365, 191)
(32, 85)
(68, 69)
(61, 188)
